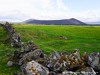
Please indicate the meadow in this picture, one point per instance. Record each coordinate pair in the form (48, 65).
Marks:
(51, 37)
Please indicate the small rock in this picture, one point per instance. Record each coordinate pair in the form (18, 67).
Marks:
(63, 37)
(86, 71)
(9, 63)
(68, 73)
(52, 73)
(54, 55)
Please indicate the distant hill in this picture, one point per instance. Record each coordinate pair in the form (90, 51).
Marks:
(63, 21)
(98, 22)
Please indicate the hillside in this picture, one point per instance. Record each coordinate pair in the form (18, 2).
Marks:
(63, 21)
(67, 38)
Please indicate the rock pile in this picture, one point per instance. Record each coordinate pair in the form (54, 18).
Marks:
(33, 61)
(37, 63)
(13, 37)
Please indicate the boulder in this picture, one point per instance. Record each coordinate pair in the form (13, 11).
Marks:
(94, 60)
(32, 55)
(53, 58)
(34, 68)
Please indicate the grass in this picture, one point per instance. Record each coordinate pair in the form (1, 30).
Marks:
(47, 37)
(4, 49)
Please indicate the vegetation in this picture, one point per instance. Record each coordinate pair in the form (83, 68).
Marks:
(51, 37)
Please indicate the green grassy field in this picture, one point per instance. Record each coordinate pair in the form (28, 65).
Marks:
(47, 37)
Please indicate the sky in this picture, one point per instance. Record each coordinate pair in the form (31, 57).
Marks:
(20, 10)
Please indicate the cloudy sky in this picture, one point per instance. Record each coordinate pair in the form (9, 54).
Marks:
(20, 10)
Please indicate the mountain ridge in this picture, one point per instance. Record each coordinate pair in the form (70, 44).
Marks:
(62, 21)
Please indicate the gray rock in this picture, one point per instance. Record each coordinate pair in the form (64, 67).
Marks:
(63, 37)
(87, 71)
(83, 71)
(69, 73)
(34, 68)
(32, 55)
(53, 58)
(30, 46)
(94, 60)
(9, 63)
(16, 40)
(53, 73)
(54, 55)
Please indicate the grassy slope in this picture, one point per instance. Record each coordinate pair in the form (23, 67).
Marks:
(4, 49)
(86, 38)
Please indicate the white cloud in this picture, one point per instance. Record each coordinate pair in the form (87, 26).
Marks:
(20, 10)
(87, 16)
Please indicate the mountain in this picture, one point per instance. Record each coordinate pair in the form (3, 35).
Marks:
(98, 22)
(63, 21)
